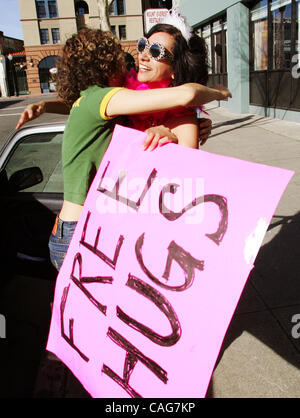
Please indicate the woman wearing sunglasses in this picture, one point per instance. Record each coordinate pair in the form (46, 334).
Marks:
(170, 56)
(90, 69)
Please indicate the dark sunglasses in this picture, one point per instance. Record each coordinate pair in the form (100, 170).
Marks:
(156, 51)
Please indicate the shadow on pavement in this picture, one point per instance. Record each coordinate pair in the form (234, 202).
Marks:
(275, 281)
(6, 103)
(235, 122)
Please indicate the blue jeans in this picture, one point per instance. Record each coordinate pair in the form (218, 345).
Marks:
(59, 241)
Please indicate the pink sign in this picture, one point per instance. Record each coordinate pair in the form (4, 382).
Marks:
(156, 267)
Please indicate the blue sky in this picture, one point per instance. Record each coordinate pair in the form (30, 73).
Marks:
(10, 23)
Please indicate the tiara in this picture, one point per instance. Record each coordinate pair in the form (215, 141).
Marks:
(174, 18)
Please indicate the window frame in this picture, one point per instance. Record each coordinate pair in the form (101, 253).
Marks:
(266, 85)
(44, 31)
(208, 32)
(48, 7)
(120, 28)
(19, 137)
(114, 8)
(55, 40)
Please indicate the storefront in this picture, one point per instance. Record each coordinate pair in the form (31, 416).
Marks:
(274, 46)
(215, 35)
(254, 49)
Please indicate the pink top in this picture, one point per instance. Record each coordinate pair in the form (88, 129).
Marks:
(143, 122)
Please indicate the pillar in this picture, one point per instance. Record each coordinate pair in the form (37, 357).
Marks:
(238, 57)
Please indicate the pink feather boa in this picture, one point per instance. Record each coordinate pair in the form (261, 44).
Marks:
(143, 122)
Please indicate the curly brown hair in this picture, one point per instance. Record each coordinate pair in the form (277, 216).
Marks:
(90, 57)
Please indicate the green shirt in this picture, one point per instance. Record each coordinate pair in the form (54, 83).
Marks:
(87, 135)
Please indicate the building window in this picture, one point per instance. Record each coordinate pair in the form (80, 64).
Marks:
(220, 44)
(113, 29)
(52, 9)
(206, 34)
(215, 36)
(117, 8)
(259, 22)
(281, 19)
(122, 31)
(121, 7)
(46, 9)
(81, 8)
(44, 33)
(55, 35)
(274, 34)
(274, 44)
(41, 9)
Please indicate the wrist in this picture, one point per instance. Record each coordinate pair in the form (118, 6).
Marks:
(43, 106)
(220, 95)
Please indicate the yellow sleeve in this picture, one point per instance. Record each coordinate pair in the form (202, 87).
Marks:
(105, 101)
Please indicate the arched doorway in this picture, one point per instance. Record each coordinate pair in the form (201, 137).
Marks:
(46, 78)
(82, 14)
(81, 8)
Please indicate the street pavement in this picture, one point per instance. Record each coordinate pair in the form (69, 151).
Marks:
(260, 355)
(12, 107)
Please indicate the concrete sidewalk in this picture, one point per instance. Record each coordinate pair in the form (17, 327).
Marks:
(260, 356)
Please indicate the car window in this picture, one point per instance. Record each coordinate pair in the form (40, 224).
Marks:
(42, 150)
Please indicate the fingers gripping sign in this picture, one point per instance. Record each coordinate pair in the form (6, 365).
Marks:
(205, 128)
(158, 136)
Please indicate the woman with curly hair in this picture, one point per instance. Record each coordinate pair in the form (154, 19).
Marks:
(90, 74)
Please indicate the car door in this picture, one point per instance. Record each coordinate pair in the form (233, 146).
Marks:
(31, 192)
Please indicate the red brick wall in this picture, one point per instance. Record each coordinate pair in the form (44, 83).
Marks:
(37, 53)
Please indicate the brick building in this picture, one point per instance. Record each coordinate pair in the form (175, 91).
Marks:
(48, 23)
(9, 45)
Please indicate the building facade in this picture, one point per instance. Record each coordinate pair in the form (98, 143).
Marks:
(12, 64)
(254, 49)
(48, 23)
(9, 45)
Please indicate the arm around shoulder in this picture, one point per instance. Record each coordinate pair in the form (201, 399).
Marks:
(130, 102)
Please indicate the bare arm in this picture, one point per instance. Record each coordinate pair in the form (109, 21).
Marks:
(35, 110)
(186, 129)
(129, 102)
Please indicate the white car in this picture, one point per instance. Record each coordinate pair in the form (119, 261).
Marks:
(31, 189)
(31, 194)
